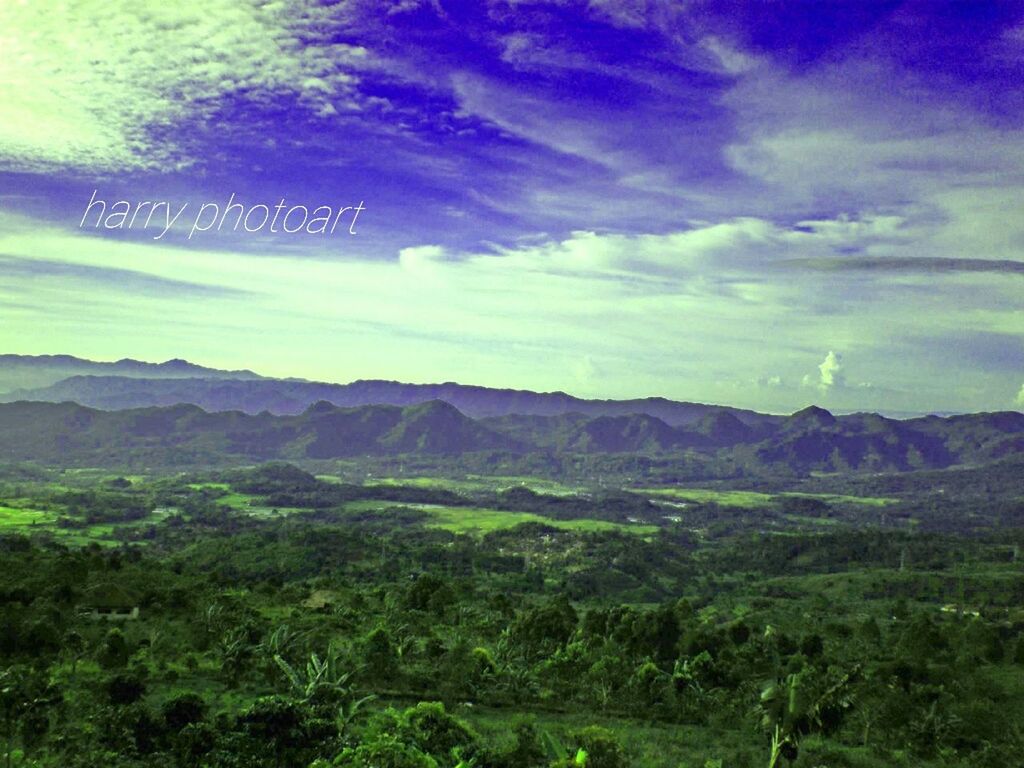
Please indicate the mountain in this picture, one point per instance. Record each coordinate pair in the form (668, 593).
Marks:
(815, 440)
(290, 396)
(638, 433)
(69, 434)
(723, 428)
(24, 372)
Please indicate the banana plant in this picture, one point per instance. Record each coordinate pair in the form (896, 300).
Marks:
(280, 641)
(801, 704)
(323, 674)
(553, 748)
(319, 673)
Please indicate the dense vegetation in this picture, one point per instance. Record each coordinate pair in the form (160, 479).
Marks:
(289, 620)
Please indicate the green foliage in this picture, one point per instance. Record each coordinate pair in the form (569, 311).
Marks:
(114, 651)
(437, 733)
(542, 630)
(384, 751)
(276, 641)
(596, 748)
(804, 702)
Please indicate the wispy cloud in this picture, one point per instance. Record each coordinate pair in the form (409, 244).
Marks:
(919, 264)
(127, 280)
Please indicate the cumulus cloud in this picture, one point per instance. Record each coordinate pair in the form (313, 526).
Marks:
(831, 371)
(1019, 400)
(830, 374)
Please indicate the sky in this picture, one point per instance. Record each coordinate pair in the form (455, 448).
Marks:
(762, 204)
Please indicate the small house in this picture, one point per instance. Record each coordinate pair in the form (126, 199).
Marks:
(109, 602)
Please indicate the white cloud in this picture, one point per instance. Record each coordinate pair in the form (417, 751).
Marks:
(1019, 400)
(831, 371)
(680, 314)
(857, 133)
(101, 85)
(732, 60)
(421, 259)
(830, 374)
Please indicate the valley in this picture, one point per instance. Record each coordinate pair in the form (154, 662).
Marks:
(407, 586)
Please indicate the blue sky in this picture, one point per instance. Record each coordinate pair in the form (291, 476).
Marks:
(765, 204)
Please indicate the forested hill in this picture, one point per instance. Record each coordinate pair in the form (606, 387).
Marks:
(810, 440)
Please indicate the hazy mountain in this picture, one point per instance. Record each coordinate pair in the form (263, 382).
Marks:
(289, 396)
(22, 372)
(71, 434)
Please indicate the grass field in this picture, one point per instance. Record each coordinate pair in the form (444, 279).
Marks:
(479, 520)
(745, 499)
(838, 498)
(470, 520)
(20, 517)
(483, 483)
(26, 520)
(754, 499)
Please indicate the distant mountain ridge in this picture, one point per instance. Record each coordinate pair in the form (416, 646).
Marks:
(293, 396)
(26, 372)
(807, 441)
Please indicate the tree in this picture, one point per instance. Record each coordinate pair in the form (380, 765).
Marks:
(437, 733)
(379, 652)
(125, 688)
(183, 710)
(277, 725)
(381, 751)
(542, 630)
(114, 652)
(527, 750)
(74, 647)
(25, 699)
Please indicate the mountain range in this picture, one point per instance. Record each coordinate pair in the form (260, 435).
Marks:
(180, 413)
(807, 441)
(26, 372)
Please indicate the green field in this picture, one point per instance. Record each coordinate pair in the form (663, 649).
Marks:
(755, 499)
(18, 517)
(471, 483)
(472, 520)
(27, 520)
(479, 520)
(838, 498)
